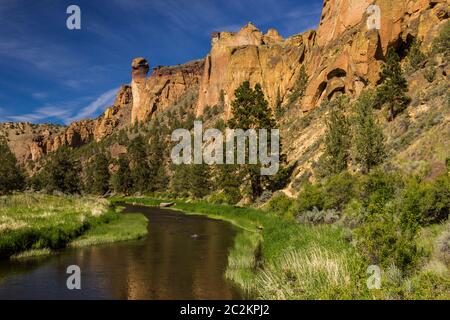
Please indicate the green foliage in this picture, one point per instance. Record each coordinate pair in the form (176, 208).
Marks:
(368, 140)
(139, 164)
(339, 190)
(229, 180)
(425, 203)
(251, 110)
(430, 74)
(415, 57)
(442, 43)
(337, 140)
(122, 181)
(311, 197)
(98, 176)
(393, 88)
(11, 175)
(281, 205)
(199, 180)
(61, 173)
(387, 241)
(300, 86)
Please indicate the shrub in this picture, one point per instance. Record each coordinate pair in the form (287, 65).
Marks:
(377, 188)
(315, 216)
(386, 241)
(339, 190)
(281, 204)
(311, 197)
(424, 203)
(442, 43)
(430, 74)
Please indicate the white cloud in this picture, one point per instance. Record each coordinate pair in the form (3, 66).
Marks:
(105, 100)
(66, 113)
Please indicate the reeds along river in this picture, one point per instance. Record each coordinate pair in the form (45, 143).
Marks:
(183, 257)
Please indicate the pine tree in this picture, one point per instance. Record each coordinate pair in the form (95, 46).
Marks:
(122, 180)
(251, 110)
(140, 168)
(11, 175)
(337, 140)
(100, 174)
(158, 179)
(415, 56)
(62, 172)
(299, 87)
(199, 180)
(180, 179)
(393, 88)
(368, 140)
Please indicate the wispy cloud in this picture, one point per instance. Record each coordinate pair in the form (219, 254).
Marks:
(105, 100)
(65, 113)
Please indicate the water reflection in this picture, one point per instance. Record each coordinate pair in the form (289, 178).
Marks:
(183, 257)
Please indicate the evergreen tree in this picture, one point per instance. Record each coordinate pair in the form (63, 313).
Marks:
(62, 172)
(251, 110)
(415, 56)
(368, 140)
(140, 168)
(337, 140)
(11, 175)
(158, 177)
(300, 86)
(199, 180)
(180, 179)
(100, 174)
(393, 88)
(122, 180)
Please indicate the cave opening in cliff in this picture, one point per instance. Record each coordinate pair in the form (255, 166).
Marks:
(402, 46)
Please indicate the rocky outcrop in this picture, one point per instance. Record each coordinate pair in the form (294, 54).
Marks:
(249, 54)
(164, 87)
(347, 55)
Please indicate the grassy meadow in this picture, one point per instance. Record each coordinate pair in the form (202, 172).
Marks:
(279, 258)
(35, 224)
(276, 258)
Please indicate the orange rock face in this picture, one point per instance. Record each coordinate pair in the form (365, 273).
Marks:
(347, 55)
(164, 87)
(250, 55)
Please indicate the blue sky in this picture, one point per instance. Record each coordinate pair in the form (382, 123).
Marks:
(51, 74)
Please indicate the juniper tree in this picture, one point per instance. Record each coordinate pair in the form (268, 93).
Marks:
(62, 172)
(99, 170)
(337, 139)
(250, 110)
(368, 140)
(11, 175)
(300, 86)
(393, 88)
(139, 165)
(122, 180)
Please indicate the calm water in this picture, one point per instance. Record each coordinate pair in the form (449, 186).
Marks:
(183, 257)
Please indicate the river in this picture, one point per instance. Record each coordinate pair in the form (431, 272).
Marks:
(183, 257)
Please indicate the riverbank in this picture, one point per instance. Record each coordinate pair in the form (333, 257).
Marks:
(36, 225)
(276, 258)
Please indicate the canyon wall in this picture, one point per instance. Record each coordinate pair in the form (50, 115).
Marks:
(342, 57)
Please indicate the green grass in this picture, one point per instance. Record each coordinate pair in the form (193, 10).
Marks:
(125, 228)
(33, 253)
(276, 258)
(35, 224)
